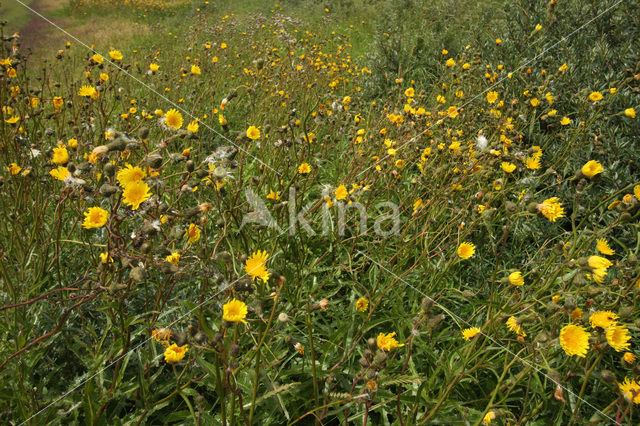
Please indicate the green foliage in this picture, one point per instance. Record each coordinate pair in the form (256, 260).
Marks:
(328, 84)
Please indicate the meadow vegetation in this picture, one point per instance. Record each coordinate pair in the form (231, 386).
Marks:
(141, 284)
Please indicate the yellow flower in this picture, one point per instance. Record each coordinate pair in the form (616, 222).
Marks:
(576, 314)
(97, 58)
(618, 337)
(304, 168)
(14, 169)
(193, 126)
(599, 262)
(61, 173)
(630, 390)
(173, 258)
(513, 325)
(175, 353)
(574, 339)
(60, 155)
(256, 266)
(73, 143)
(222, 120)
(629, 358)
(563, 67)
(88, 91)
(451, 62)
(154, 67)
(551, 209)
(492, 97)
(466, 250)
(532, 163)
(592, 168)
(636, 192)
(534, 102)
(129, 174)
(116, 55)
(234, 311)
(602, 319)
(253, 133)
(192, 233)
(515, 278)
(489, 417)
(387, 342)
(508, 167)
(470, 333)
(106, 257)
(630, 112)
(173, 119)
(603, 247)
(595, 96)
(95, 217)
(135, 193)
(362, 304)
(273, 195)
(195, 70)
(341, 192)
(565, 121)
(410, 92)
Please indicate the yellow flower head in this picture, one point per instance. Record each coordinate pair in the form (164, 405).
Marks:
(95, 217)
(592, 168)
(630, 112)
(410, 92)
(173, 258)
(192, 233)
(618, 337)
(489, 417)
(129, 174)
(387, 342)
(116, 55)
(341, 192)
(60, 173)
(234, 311)
(256, 266)
(513, 325)
(629, 358)
(492, 97)
(173, 119)
(630, 390)
(515, 278)
(595, 96)
(470, 333)
(253, 133)
(466, 250)
(304, 168)
(508, 167)
(362, 304)
(88, 92)
(195, 70)
(193, 126)
(551, 209)
(574, 339)
(14, 169)
(60, 155)
(599, 262)
(135, 193)
(154, 67)
(602, 319)
(106, 257)
(603, 247)
(175, 353)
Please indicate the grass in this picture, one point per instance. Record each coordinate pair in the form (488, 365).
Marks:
(117, 307)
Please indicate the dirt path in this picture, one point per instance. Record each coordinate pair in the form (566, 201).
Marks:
(39, 34)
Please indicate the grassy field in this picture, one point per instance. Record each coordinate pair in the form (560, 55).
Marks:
(339, 212)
